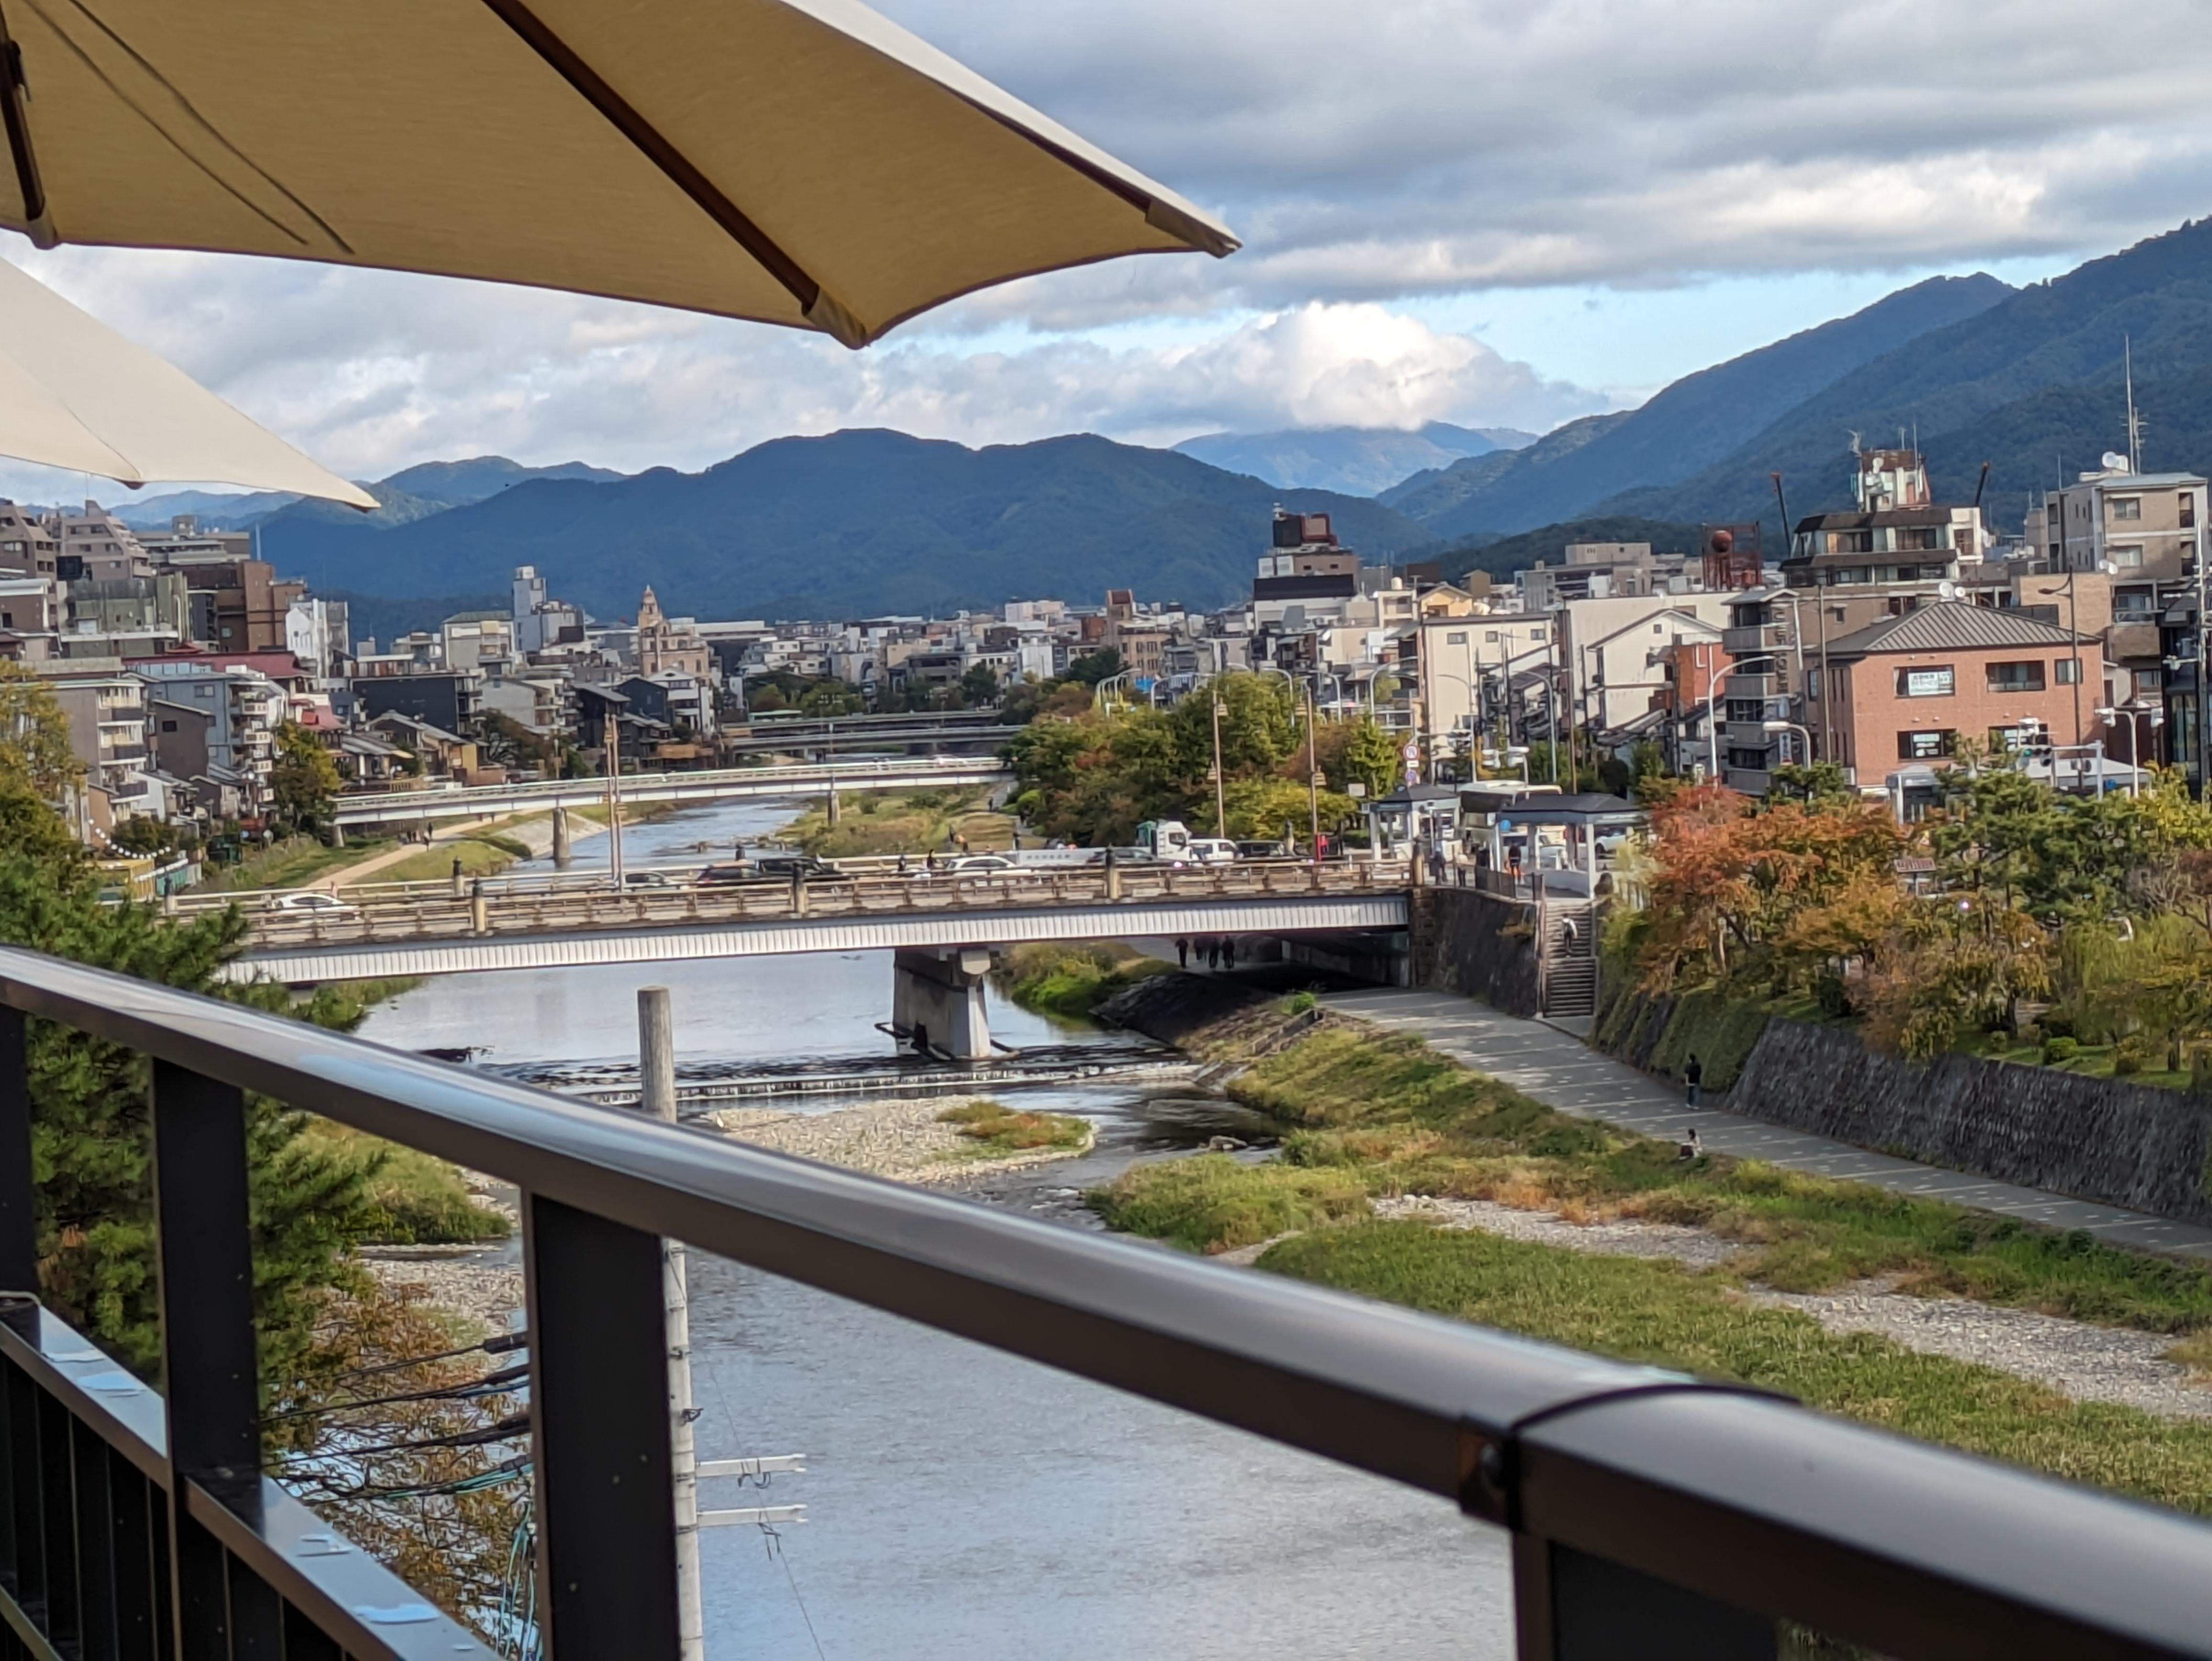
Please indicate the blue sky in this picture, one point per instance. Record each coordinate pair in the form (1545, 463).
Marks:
(1498, 214)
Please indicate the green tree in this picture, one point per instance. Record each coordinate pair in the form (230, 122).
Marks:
(1091, 668)
(35, 735)
(1358, 752)
(90, 1128)
(1821, 781)
(980, 685)
(304, 779)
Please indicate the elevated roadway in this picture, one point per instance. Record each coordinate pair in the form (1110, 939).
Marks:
(444, 933)
(366, 812)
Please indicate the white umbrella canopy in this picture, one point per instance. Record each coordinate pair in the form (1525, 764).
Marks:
(804, 162)
(76, 394)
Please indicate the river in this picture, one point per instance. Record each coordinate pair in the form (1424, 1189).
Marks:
(963, 1504)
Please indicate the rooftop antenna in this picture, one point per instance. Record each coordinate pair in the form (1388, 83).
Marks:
(2134, 427)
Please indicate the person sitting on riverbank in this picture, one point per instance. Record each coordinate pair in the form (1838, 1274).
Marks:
(1690, 1148)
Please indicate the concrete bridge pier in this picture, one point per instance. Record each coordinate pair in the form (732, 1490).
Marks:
(561, 850)
(936, 1000)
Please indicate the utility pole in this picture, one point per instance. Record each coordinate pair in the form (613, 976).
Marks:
(614, 800)
(1313, 777)
(1220, 790)
(656, 1043)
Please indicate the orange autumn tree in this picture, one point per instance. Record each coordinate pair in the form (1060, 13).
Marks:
(1765, 895)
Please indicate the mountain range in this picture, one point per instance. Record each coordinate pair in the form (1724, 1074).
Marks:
(2027, 379)
(853, 524)
(1359, 460)
(412, 493)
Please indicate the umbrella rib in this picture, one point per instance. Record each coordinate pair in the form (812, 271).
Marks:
(19, 138)
(656, 148)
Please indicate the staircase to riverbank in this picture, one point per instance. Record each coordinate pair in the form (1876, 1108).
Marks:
(1567, 959)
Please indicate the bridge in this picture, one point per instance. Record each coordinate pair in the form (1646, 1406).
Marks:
(366, 812)
(1649, 1513)
(940, 928)
(936, 731)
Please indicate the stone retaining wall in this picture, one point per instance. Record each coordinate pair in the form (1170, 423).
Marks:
(1480, 945)
(2097, 1139)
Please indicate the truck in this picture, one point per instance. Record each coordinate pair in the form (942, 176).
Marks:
(1164, 839)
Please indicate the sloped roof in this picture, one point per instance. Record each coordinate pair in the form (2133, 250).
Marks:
(1955, 625)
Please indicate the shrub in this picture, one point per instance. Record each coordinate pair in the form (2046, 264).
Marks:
(2059, 1050)
(2130, 1055)
(1298, 1002)
(1834, 997)
(2056, 1023)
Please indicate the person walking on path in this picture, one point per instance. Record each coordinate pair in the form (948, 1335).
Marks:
(1694, 1079)
(1182, 953)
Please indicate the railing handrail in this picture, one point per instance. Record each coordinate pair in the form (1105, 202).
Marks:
(1744, 1499)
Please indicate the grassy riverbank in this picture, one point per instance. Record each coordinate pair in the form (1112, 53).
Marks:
(916, 822)
(991, 1130)
(1070, 980)
(1367, 1115)
(417, 1200)
(1651, 1311)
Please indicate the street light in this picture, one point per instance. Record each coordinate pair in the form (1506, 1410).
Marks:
(1791, 727)
(2135, 711)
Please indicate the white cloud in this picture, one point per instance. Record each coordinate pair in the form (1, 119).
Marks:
(371, 371)
(1376, 158)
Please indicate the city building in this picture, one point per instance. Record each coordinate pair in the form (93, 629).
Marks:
(670, 645)
(28, 547)
(1909, 689)
(105, 707)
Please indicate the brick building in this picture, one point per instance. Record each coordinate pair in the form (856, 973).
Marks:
(1908, 689)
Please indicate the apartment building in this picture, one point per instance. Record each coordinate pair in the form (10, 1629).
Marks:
(2145, 527)
(236, 711)
(105, 707)
(28, 547)
(1605, 570)
(1910, 688)
(95, 545)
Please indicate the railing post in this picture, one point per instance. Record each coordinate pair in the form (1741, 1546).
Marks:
(19, 1225)
(599, 1387)
(209, 1358)
(1571, 1606)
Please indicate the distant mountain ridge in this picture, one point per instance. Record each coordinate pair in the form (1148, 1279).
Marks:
(2005, 386)
(410, 494)
(1358, 460)
(1686, 426)
(854, 524)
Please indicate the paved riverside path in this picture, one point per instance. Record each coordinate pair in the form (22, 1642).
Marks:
(1557, 1068)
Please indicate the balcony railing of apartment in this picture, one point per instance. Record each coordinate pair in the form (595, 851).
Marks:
(1651, 1515)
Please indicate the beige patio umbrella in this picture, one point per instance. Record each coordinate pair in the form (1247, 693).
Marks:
(74, 393)
(797, 161)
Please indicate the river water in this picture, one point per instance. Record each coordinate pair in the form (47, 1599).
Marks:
(963, 1504)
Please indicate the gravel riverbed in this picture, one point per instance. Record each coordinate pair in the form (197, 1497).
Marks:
(902, 1140)
(2085, 1362)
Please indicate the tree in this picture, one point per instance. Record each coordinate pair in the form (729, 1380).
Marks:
(304, 779)
(1089, 668)
(980, 685)
(35, 735)
(1358, 752)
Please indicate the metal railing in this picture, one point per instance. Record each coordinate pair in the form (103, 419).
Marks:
(1651, 1515)
(434, 911)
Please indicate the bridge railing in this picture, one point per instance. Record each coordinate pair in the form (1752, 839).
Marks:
(1650, 1515)
(439, 913)
(491, 798)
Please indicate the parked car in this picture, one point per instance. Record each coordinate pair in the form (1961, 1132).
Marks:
(1211, 850)
(308, 902)
(784, 868)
